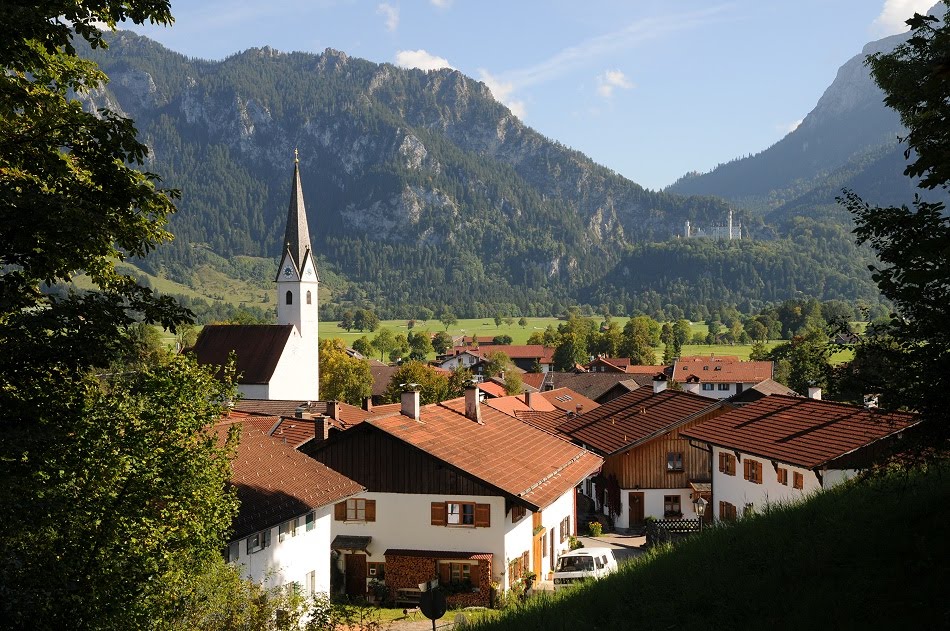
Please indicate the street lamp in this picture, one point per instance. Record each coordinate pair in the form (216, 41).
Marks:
(700, 505)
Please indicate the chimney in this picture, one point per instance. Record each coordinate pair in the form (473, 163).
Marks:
(321, 427)
(410, 404)
(659, 383)
(529, 399)
(368, 404)
(333, 410)
(302, 412)
(473, 410)
(814, 392)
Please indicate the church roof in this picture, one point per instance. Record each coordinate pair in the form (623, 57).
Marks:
(257, 348)
(297, 236)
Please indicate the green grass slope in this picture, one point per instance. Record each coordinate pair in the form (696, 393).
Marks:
(865, 556)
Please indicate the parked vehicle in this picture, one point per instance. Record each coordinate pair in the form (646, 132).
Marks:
(583, 564)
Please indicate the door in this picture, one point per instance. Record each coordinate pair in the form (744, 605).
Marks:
(356, 575)
(636, 509)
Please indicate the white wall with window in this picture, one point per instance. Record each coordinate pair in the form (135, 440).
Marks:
(747, 479)
(296, 550)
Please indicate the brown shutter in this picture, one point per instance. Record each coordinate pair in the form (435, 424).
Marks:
(438, 513)
(482, 515)
(445, 573)
(758, 472)
(370, 510)
(473, 574)
(722, 463)
(339, 511)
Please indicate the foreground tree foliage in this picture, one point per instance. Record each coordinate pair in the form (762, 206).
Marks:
(913, 242)
(112, 485)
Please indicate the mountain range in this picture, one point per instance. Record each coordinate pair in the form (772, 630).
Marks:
(423, 190)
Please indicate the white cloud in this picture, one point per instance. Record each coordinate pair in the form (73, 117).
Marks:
(895, 13)
(442, 4)
(502, 91)
(421, 59)
(788, 128)
(611, 80)
(391, 15)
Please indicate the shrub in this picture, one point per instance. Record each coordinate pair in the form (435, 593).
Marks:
(596, 528)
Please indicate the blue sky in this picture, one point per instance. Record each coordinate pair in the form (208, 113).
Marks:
(649, 88)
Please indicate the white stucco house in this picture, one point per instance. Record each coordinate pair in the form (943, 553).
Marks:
(456, 491)
(781, 448)
(719, 376)
(283, 527)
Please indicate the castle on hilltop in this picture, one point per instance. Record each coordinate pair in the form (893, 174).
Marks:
(728, 232)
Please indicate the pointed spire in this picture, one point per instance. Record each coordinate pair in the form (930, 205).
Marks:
(297, 236)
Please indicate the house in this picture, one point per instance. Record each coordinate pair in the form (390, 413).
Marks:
(297, 422)
(593, 385)
(719, 376)
(639, 435)
(279, 361)
(762, 389)
(780, 448)
(622, 364)
(282, 529)
(543, 410)
(526, 357)
(455, 490)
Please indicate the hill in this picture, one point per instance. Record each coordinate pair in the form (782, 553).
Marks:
(421, 188)
(863, 556)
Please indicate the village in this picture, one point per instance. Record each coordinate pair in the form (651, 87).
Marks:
(485, 492)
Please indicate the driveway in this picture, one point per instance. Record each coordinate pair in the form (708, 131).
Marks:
(625, 546)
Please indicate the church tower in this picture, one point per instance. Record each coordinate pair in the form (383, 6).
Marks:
(297, 284)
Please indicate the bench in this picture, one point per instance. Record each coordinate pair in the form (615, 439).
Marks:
(408, 596)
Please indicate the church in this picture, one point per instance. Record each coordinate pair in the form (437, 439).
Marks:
(278, 361)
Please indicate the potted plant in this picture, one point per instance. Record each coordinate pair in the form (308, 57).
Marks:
(528, 578)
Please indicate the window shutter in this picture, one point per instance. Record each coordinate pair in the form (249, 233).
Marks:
(339, 511)
(438, 513)
(370, 510)
(758, 472)
(473, 574)
(445, 573)
(482, 515)
(266, 538)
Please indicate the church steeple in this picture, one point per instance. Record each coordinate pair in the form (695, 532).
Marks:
(297, 234)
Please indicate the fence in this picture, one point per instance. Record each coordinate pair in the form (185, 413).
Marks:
(664, 530)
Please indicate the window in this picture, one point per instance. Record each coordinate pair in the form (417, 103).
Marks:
(565, 529)
(727, 463)
(709, 386)
(461, 572)
(674, 461)
(311, 521)
(724, 386)
(518, 513)
(355, 509)
(782, 476)
(671, 506)
(287, 529)
(461, 514)
(376, 570)
(544, 544)
(727, 511)
(312, 582)
(234, 551)
(752, 471)
(258, 541)
(290, 298)
(798, 480)
(308, 298)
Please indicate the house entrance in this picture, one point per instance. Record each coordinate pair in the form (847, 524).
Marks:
(636, 508)
(356, 575)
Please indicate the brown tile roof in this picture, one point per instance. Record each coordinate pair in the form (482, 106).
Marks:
(588, 384)
(272, 407)
(567, 400)
(721, 369)
(257, 348)
(382, 375)
(634, 418)
(544, 420)
(503, 452)
(296, 431)
(386, 408)
(349, 414)
(798, 430)
(275, 482)
(762, 389)
(493, 389)
(533, 379)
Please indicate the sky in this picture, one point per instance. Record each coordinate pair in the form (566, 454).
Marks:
(652, 89)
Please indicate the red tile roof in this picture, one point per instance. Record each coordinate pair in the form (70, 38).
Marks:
(567, 400)
(257, 348)
(493, 389)
(503, 452)
(721, 369)
(349, 414)
(547, 421)
(799, 431)
(634, 418)
(542, 353)
(589, 384)
(275, 482)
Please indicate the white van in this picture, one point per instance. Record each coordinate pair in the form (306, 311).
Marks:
(581, 564)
